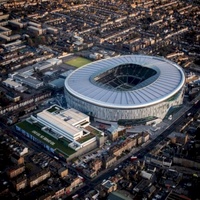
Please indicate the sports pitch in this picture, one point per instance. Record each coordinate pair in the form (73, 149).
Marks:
(78, 62)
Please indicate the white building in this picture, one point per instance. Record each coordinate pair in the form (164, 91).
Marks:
(66, 123)
(12, 84)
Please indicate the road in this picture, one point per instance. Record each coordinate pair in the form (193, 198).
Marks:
(90, 184)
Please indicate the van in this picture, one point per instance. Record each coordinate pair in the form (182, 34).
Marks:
(170, 117)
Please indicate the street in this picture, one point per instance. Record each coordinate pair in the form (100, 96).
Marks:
(90, 184)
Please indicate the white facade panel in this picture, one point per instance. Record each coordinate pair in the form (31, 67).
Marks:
(152, 97)
(65, 122)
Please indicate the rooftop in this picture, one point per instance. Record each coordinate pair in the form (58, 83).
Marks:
(36, 130)
(12, 83)
(66, 120)
(166, 79)
(120, 195)
(108, 184)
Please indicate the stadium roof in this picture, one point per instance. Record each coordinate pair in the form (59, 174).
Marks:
(168, 80)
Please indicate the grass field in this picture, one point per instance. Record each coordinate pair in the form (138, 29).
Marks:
(78, 62)
(38, 133)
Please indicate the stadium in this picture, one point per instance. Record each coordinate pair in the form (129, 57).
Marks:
(135, 88)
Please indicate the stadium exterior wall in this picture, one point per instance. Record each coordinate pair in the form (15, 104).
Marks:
(113, 115)
(87, 91)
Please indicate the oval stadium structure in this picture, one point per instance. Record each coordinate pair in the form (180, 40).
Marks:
(131, 87)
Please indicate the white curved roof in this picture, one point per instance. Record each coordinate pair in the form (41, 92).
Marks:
(170, 80)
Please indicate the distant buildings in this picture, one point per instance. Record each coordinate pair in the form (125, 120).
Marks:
(109, 186)
(33, 172)
(31, 35)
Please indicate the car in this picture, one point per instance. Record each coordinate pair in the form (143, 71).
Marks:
(116, 169)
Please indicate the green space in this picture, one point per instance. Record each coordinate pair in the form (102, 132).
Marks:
(94, 131)
(78, 62)
(64, 141)
(85, 138)
(54, 108)
(36, 131)
(97, 133)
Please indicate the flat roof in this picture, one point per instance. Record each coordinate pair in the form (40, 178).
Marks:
(35, 130)
(108, 184)
(57, 82)
(170, 79)
(32, 80)
(27, 78)
(63, 119)
(120, 195)
(12, 83)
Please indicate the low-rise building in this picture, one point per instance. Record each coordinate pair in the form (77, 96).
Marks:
(90, 173)
(63, 172)
(158, 160)
(174, 195)
(146, 175)
(17, 159)
(96, 165)
(139, 139)
(128, 144)
(180, 138)
(145, 137)
(10, 83)
(92, 194)
(35, 30)
(14, 97)
(20, 183)
(28, 80)
(142, 185)
(76, 182)
(39, 177)
(109, 186)
(120, 195)
(116, 132)
(14, 171)
(108, 160)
